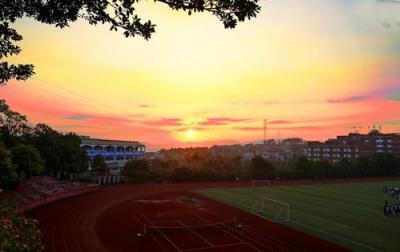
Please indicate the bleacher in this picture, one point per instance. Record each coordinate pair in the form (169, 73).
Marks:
(41, 190)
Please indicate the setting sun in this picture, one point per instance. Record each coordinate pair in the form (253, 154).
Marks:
(190, 134)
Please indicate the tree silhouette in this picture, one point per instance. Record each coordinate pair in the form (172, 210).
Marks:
(99, 165)
(119, 14)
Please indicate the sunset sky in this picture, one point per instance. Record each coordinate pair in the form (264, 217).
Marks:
(313, 69)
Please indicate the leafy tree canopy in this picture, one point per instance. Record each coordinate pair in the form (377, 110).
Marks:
(27, 160)
(8, 174)
(261, 168)
(136, 170)
(61, 152)
(12, 122)
(27, 150)
(119, 14)
(99, 165)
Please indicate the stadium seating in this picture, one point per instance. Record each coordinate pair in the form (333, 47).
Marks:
(41, 190)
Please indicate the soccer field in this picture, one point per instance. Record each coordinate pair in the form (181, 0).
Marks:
(350, 215)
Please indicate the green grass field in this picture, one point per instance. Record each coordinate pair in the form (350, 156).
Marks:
(350, 215)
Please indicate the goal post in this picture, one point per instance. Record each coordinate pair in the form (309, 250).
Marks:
(271, 209)
(261, 183)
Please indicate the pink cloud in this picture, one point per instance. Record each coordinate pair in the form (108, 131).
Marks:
(279, 122)
(164, 122)
(100, 119)
(297, 128)
(303, 128)
(249, 128)
(193, 128)
(188, 144)
(136, 115)
(216, 121)
(349, 99)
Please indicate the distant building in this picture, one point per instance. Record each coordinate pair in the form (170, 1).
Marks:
(272, 150)
(354, 145)
(115, 152)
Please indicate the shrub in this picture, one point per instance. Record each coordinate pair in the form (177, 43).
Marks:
(8, 174)
(17, 232)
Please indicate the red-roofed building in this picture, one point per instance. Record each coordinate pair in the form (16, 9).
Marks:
(354, 145)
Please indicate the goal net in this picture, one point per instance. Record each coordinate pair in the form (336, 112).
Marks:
(271, 209)
(260, 183)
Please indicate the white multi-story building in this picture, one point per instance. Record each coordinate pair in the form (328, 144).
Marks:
(115, 152)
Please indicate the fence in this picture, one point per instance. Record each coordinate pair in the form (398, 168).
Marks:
(105, 180)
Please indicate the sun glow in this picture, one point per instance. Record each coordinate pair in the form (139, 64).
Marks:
(190, 134)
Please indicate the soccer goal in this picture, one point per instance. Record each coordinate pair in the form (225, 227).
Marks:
(271, 209)
(260, 183)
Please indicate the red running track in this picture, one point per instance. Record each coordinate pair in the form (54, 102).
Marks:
(111, 218)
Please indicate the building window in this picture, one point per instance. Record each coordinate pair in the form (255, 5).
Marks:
(98, 147)
(87, 147)
(110, 148)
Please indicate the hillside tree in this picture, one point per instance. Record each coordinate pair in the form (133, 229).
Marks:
(27, 160)
(99, 165)
(261, 168)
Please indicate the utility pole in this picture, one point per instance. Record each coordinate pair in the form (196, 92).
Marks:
(265, 131)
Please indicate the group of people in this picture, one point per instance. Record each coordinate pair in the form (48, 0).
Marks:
(393, 192)
(392, 209)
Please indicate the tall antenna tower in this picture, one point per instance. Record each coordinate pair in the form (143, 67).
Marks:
(278, 136)
(265, 131)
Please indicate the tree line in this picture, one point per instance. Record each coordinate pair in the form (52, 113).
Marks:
(364, 166)
(228, 168)
(27, 150)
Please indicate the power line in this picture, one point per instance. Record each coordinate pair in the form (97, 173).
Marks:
(81, 101)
